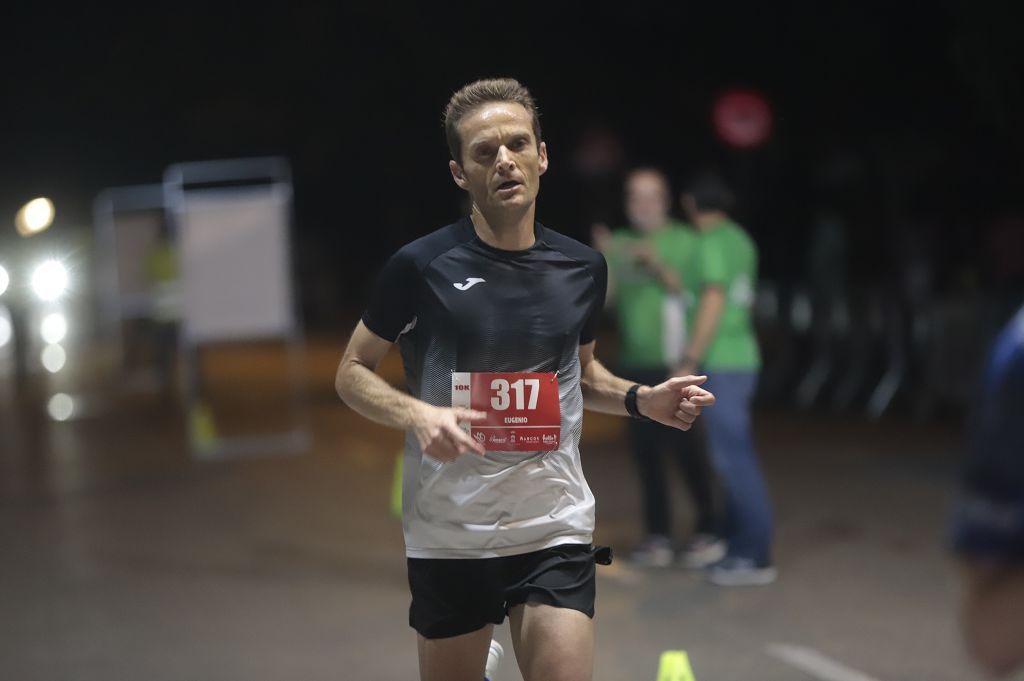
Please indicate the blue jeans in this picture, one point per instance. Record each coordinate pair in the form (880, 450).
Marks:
(731, 442)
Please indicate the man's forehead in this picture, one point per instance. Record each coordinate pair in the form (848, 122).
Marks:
(496, 118)
(646, 180)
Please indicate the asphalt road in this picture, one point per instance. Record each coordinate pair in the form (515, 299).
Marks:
(124, 558)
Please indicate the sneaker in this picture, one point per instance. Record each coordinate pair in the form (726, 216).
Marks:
(737, 571)
(494, 656)
(702, 551)
(656, 551)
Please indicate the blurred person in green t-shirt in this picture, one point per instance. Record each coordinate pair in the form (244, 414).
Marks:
(722, 344)
(649, 266)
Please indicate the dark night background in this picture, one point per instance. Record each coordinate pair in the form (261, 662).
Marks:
(905, 118)
(175, 505)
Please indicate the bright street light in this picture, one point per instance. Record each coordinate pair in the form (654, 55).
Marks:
(5, 329)
(5, 279)
(34, 216)
(53, 358)
(50, 280)
(60, 406)
(53, 328)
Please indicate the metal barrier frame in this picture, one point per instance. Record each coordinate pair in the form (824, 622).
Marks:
(220, 176)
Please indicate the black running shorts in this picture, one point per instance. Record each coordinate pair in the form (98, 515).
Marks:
(457, 596)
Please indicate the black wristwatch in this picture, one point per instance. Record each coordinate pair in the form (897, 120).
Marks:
(631, 408)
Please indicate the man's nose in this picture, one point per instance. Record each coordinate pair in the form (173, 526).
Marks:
(504, 159)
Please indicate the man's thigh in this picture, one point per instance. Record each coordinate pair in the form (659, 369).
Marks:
(551, 643)
(457, 658)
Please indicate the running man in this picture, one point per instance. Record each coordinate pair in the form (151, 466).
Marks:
(495, 318)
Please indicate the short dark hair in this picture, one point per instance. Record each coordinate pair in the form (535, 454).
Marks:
(710, 192)
(476, 94)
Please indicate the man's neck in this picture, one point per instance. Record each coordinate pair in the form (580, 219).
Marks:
(507, 230)
(708, 219)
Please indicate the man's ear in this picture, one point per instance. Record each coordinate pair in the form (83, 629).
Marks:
(458, 175)
(543, 157)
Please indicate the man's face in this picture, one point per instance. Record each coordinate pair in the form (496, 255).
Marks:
(501, 162)
(647, 201)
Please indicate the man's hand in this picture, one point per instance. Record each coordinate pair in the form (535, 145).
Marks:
(439, 434)
(645, 256)
(677, 402)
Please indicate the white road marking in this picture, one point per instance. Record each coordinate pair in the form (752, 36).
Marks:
(814, 663)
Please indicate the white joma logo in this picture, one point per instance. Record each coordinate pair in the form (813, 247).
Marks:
(470, 283)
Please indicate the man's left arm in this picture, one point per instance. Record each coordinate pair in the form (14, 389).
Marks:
(713, 285)
(676, 402)
(710, 308)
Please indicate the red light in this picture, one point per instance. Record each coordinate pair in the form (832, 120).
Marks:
(742, 118)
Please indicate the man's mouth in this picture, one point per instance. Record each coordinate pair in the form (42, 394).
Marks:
(511, 184)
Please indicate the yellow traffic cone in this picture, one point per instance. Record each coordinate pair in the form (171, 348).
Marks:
(204, 432)
(675, 666)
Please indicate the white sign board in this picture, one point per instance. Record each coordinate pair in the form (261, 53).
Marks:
(136, 233)
(236, 282)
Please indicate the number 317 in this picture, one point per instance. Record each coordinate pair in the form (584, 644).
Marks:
(502, 401)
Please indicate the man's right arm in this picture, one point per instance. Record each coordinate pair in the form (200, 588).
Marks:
(709, 313)
(359, 386)
(713, 283)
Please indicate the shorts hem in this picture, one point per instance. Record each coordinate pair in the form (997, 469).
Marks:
(544, 599)
(451, 631)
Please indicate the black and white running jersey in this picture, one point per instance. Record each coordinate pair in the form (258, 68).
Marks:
(455, 305)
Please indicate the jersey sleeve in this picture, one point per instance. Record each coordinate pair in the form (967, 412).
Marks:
(392, 300)
(988, 521)
(599, 270)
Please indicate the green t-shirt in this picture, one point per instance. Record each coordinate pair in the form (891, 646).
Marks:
(651, 321)
(727, 256)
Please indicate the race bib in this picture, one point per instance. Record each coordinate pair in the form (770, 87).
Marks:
(523, 411)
